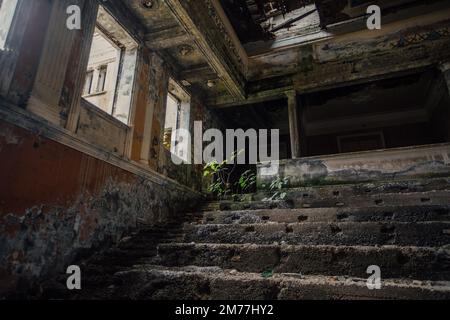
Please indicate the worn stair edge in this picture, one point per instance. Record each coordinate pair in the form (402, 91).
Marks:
(309, 201)
(423, 234)
(380, 187)
(394, 261)
(405, 213)
(358, 189)
(162, 283)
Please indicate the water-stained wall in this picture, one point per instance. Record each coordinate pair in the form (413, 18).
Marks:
(57, 203)
(73, 180)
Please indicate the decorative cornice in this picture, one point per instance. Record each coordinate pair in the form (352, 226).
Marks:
(221, 20)
(200, 19)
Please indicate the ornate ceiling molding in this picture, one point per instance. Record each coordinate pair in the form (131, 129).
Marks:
(202, 21)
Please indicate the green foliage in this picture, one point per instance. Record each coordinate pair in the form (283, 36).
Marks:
(220, 173)
(246, 181)
(215, 171)
(267, 274)
(277, 186)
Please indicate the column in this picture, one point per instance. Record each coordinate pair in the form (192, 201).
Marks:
(294, 124)
(76, 72)
(19, 63)
(62, 67)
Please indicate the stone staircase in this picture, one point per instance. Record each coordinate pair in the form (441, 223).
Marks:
(317, 243)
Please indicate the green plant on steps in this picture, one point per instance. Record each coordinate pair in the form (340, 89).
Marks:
(267, 274)
(246, 181)
(220, 173)
(276, 187)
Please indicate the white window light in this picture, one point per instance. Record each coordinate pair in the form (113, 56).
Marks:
(88, 84)
(102, 78)
(7, 10)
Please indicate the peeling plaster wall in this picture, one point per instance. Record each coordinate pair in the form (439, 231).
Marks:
(19, 64)
(58, 200)
(57, 203)
(101, 129)
(380, 165)
(355, 57)
(159, 82)
(190, 175)
(210, 120)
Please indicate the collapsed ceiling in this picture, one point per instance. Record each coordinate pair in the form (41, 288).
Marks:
(197, 43)
(262, 20)
(254, 20)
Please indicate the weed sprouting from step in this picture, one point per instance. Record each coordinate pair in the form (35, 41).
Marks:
(276, 188)
(267, 274)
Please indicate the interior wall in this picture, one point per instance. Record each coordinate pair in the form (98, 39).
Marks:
(395, 137)
(57, 203)
(407, 111)
(77, 184)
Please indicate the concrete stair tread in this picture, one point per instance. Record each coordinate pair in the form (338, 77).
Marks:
(395, 261)
(355, 189)
(293, 246)
(341, 233)
(395, 185)
(380, 186)
(324, 223)
(405, 213)
(307, 200)
(318, 223)
(192, 282)
(318, 243)
(431, 197)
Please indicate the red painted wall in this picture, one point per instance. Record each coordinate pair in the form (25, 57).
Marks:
(38, 171)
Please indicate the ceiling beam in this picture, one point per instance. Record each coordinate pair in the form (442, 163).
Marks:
(288, 23)
(263, 96)
(200, 20)
(126, 17)
(199, 74)
(167, 38)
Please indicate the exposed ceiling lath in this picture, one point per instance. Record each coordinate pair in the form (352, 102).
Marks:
(251, 18)
(262, 10)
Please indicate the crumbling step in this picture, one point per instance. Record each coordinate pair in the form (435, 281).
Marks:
(395, 262)
(307, 200)
(348, 191)
(364, 189)
(196, 283)
(364, 214)
(246, 205)
(424, 234)
(440, 197)
(136, 249)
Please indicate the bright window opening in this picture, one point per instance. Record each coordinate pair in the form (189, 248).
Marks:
(110, 75)
(102, 73)
(177, 117)
(7, 10)
(88, 83)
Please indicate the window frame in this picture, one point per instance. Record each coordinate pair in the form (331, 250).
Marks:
(178, 103)
(9, 29)
(101, 81)
(128, 47)
(89, 77)
(183, 100)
